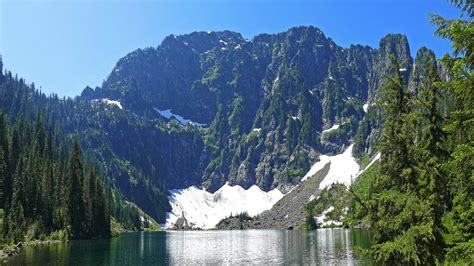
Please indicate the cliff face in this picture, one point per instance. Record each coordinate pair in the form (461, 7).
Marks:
(267, 103)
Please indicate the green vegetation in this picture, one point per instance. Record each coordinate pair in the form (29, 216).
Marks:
(47, 194)
(49, 190)
(361, 193)
(334, 198)
(419, 199)
(425, 187)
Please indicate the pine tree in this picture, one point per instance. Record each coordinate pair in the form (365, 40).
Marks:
(402, 220)
(430, 153)
(3, 174)
(47, 194)
(460, 127)
(75, 192)
(4, 147)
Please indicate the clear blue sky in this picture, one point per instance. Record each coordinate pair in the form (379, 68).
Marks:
(64, 45)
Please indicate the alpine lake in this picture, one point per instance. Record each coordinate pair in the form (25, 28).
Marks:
(261, 247)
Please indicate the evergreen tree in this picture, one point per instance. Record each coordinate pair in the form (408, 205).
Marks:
(460, 128)
(3, 173)
(4, 158)
(403, 221)
(75, 192)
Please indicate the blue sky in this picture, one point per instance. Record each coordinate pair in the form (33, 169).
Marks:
(62, 46)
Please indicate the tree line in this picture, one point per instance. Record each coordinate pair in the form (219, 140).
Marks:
(47, 190)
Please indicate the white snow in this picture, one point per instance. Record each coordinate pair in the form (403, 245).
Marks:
(402, 69)
(109, 102)
(223, 42)
(331, 78)
(344, 169)
(168, 114)
(323, 160)
(237, 47)
(204, 210)
(257, 129)
(295, 117)
(376, 158)
(365, 107)
(321, 219)
(311, 92)
(276, 79)
(331, 129)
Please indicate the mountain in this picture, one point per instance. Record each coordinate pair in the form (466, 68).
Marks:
(209, 108)
(265, 103)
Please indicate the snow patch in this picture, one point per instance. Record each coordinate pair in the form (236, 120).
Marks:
(365, 107)
(295, 117)
(323, 160)
(321, 219)
(331, 129)
(376, 158)
(257, 129)
(344, 169)
(223, 42)
(168, 114)
(402, 69)
(109, 102)
(204, 210)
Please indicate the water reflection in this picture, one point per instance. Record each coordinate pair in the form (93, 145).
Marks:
(322, 247)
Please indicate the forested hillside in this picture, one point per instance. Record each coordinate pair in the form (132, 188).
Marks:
(419, 199)
(48, 188)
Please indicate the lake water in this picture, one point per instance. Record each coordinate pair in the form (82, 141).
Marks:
(320, 247)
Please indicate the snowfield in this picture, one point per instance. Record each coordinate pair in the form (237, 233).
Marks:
(168, 115)
(204, 210)
(331, 129)
(343, 169)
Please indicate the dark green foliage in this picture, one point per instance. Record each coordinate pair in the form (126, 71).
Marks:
(423, 201)
(402, 209)
(335, 197)
(48, 199)
(361, 193)
(458, 168)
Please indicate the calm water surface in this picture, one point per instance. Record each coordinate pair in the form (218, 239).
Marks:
(320, 247)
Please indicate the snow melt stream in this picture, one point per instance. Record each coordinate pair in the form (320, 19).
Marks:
(204, 210)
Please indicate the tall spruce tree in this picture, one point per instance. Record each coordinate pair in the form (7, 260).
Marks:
(402, 220)
(75, 192)
(460, 127)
